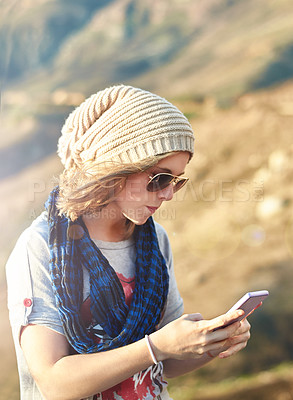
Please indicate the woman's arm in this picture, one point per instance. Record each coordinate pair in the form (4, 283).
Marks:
(63, 376)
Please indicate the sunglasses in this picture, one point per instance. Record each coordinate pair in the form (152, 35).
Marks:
(162, 180)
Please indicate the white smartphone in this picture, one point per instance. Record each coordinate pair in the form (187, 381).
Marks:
(248, 303)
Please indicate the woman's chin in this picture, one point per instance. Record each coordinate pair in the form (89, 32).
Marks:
(137, 220)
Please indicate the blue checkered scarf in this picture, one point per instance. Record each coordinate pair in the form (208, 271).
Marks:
(71, 249)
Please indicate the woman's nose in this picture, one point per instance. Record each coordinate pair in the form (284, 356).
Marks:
(167, 193)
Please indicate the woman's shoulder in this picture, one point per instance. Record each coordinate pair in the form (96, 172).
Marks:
(163, 240)
(37, 232)
(33, 239)
(161, 232)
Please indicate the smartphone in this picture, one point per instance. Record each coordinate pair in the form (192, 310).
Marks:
(248, 303)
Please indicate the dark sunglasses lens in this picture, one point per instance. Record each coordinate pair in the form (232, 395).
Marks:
(159, 182)
(179, 185)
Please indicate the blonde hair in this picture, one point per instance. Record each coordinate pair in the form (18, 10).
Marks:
(89, 190)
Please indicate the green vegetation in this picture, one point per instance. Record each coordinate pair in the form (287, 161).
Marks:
(271, 384)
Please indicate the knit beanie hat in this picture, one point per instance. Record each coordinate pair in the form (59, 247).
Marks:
(123, 124)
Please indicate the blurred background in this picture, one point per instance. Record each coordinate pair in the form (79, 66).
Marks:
(228, 65)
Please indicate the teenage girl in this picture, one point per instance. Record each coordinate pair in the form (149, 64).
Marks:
(94, 306)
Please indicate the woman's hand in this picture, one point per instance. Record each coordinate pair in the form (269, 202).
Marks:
(191, 337)
(236, 342)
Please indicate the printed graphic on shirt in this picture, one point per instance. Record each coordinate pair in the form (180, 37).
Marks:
(145, 385)
(128, 285)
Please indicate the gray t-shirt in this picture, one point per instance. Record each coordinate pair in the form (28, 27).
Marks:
(31, 301)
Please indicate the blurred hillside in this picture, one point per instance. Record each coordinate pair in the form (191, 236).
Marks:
(231, 231)
(214, 47)
(227, 64)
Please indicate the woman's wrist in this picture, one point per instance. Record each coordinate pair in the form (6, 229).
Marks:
(150, 348)
(155, 341)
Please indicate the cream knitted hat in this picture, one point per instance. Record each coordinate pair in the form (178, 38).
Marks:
(123, 124)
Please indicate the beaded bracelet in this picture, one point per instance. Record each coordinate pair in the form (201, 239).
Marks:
(155, 361)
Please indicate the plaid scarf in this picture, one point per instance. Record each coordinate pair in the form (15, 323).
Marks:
(71, 249)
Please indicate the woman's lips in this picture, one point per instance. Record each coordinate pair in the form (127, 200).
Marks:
(152, 209)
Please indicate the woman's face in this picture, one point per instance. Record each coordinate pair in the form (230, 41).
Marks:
(135, 202)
